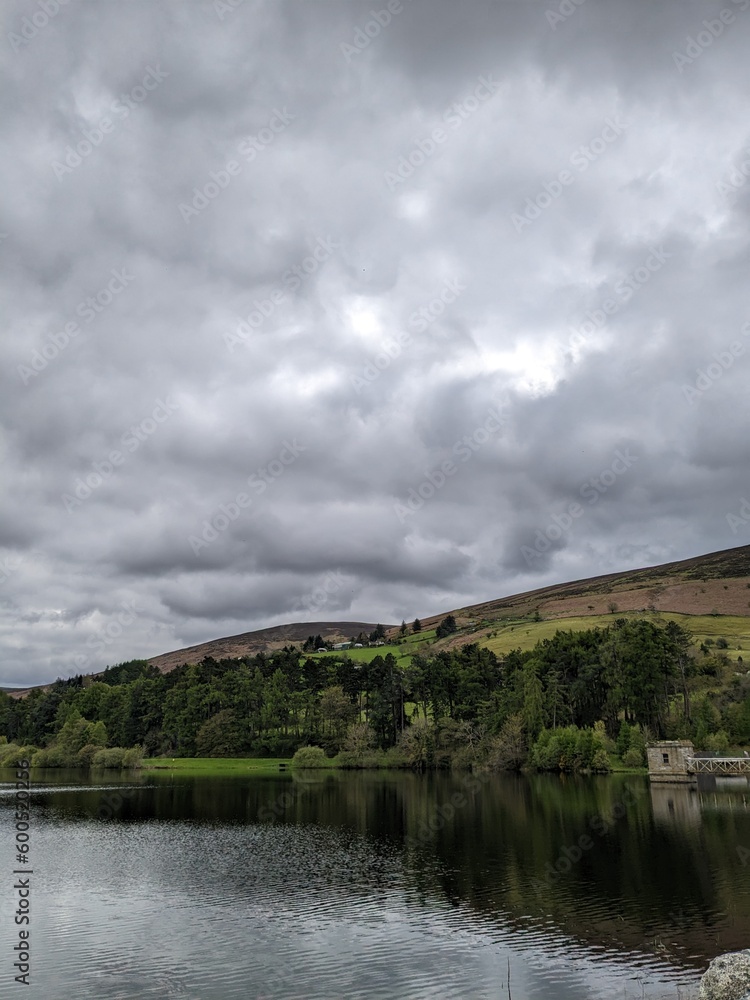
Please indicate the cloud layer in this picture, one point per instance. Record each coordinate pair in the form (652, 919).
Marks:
(447, 301)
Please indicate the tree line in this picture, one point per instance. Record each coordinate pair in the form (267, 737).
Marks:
(633, 673)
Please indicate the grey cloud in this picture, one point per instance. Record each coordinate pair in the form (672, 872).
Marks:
(573, 393)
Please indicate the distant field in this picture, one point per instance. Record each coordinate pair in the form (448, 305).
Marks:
(403, 653)
(205, 765)
(525, 634)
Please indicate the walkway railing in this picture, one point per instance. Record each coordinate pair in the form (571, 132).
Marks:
(718, 765)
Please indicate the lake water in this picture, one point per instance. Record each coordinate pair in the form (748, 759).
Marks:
(386, 886)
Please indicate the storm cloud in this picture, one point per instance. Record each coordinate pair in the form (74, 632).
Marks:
(441, 302)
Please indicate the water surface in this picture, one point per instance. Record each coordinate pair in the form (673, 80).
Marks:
(389, 886)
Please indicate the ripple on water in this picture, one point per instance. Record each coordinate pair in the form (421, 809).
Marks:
(173, 909)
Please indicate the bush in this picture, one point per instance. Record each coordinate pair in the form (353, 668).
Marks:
(310, 757)
(52, 757)
(632, 758)
(9, 755)
(111, 759)
(85, 755)
(717, 742)
(571, 749)
(133, 757)
(600, 762)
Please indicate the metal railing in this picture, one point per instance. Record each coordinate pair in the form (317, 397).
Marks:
(718, 765)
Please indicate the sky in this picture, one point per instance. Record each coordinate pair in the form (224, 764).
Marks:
(340, 310)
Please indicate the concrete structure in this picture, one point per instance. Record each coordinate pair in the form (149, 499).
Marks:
(675, 760)
(668, 761)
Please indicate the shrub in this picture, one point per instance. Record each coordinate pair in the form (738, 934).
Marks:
(600, 762)
(310, 757)
(133, 757)
(85, 755)
(110, 759)
(53, 757)
(632, 758)
(9, 755)
(717, 742)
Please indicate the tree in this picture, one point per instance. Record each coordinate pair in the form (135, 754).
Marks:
(336, 710)
(533, 700)
(402, 630)
(219, 736)
(446, 627)
(510, 746)
(416, 625)
(680, 643)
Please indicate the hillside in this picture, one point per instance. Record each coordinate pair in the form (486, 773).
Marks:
(712, 591)
(264, 640)
(701, 588)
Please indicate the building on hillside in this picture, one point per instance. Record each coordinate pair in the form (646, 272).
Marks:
(341, 645)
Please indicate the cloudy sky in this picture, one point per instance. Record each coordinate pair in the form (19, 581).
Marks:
(313, 313)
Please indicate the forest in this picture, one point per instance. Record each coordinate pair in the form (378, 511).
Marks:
(633, 678)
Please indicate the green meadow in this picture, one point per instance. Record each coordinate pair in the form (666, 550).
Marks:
(214, 765)
(402, 652)
(524, 633)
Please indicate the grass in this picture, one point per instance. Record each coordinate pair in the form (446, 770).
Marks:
(523, 633)
(222, 765)
(403, 652)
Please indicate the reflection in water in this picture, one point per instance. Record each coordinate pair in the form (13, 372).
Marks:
(383, 885)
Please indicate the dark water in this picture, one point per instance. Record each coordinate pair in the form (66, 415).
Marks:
(379, 886)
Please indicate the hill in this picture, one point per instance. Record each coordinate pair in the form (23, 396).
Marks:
(263, 640)
(712, 591)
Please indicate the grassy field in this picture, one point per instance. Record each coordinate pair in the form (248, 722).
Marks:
(524, 634)
(214, 765)
(402, 652)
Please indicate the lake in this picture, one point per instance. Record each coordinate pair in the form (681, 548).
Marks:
(378, 885)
